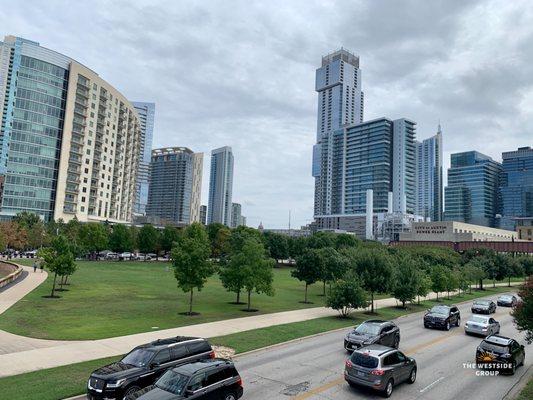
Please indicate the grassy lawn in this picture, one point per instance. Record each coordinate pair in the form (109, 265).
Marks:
(70, 380)
(107, 299)
(527, 391)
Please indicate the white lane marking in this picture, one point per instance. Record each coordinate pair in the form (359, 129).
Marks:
(431, 385)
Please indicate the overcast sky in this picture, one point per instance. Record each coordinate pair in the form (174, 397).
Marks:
(241, 73)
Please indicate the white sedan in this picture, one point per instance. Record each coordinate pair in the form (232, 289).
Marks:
(482, 325)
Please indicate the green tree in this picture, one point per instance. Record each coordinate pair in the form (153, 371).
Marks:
(346, 296)
(147, 239)
(344, 240)
(424, 285)
(169, 236)
(334, 266)
(120, 239)
(474, 271)
(58, 259)
(94, 237)
(439, 279)
(219, 237)
(374, 267)
(526, 263)
(451, 281)
(406, 280)
(308, 268)
(190, 258)
(257, 269)
(277, 245)
(463, 281)
(320, 240)
(297, 245)
(523, 311)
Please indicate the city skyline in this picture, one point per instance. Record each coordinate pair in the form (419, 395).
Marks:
(474, 91)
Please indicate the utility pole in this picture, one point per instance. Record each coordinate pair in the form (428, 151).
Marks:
(289, 222)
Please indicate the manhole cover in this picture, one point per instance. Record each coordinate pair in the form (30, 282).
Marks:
(293, 390)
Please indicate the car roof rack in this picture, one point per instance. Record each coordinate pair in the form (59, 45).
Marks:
(173, 340)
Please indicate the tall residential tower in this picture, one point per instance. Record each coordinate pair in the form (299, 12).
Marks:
(146, 113)
(69, 141)
(220, 186)
(429, 183)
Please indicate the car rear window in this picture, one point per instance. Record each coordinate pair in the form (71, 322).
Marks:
(199, 347)
(364, 360)
(497, 348)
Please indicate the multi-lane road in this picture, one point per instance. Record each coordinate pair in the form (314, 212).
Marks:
(313, 368)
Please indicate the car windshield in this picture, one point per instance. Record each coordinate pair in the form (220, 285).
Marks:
(497, 348)
(367, 329)
(364, 360)
(479, 319)
(138, 357)
(505, 298)
(172, 382)
(482, 302)
(439, 310)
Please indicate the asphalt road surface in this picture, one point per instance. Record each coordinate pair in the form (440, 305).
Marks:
(313, 368)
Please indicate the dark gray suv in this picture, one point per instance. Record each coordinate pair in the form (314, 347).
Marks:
(380, 368)
(373, 331)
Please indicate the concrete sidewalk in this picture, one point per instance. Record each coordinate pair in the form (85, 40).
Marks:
(73, 352)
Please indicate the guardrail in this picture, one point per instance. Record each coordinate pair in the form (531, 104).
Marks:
(16, 271)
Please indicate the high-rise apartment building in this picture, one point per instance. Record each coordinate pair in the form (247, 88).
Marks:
(517, 186)
(203, 214)
(429, 195)
(146, 113)
(236, 215)
(220, 186)
(69, 141)
(340, 102)
(472, 194)
(175, 185)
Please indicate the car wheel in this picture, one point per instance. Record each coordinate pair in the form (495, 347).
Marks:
(388, 389)
(458, 322)
(513, 368)
(229, 396)
(448, 325)
(352, 384)
(412, 376)
(131, 390)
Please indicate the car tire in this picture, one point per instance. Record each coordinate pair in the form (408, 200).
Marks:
(412, 376)
(447, 326)
(513, 368)
(458, 322)
(130, 391)
(352, 384)
(388, 389)
(396, 342)
(229, 396)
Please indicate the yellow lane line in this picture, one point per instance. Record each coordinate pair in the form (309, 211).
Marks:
(339, 381)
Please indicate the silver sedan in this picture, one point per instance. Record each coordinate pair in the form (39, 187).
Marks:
(482, 325)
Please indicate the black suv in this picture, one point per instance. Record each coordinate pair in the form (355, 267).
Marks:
(442, 316)
(500, 352)
(373, 331)
(144, 365)
(206, 380)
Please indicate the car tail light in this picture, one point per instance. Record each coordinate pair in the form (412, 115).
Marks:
(349, 363)
(378, 372)
(239, 382)
(212, 354)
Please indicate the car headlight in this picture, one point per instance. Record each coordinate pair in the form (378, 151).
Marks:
(116, 384)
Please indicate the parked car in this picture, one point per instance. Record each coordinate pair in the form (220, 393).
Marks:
(483, 307)
(482, 325)
(442, 316)
(500, 352)
(125, 256)
(507, 300)
(144, 365)
(203, 380)
(111, 256)
(373, 331)
(380, 368)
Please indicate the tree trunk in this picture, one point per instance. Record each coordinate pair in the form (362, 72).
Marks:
(509, 282)
(403, 303)
(305, 297)
(372, 302)
(418, 299)
(238, 296)
(437, 296)
(493, 282)
(470, 288)
(249, 300)
(481, 284)
(190, 303)
(54, 285)
(324, 289)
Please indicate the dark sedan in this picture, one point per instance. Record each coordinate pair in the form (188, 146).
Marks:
(373, 331)
(483, 307)
(507, 300)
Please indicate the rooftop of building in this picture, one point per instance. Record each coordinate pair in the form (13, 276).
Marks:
(521, 151)
(343, 55)
(171, 150)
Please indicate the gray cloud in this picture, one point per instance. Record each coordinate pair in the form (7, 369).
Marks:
(241, 73)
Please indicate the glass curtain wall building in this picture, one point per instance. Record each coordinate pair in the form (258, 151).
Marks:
(69, 141)
(517, 186)
(429, 197)
(472, 194)
(174, 188)
(146, 113)
(220, 186)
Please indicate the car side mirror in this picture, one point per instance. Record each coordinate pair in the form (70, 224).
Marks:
(189, 392)
(154, 365)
